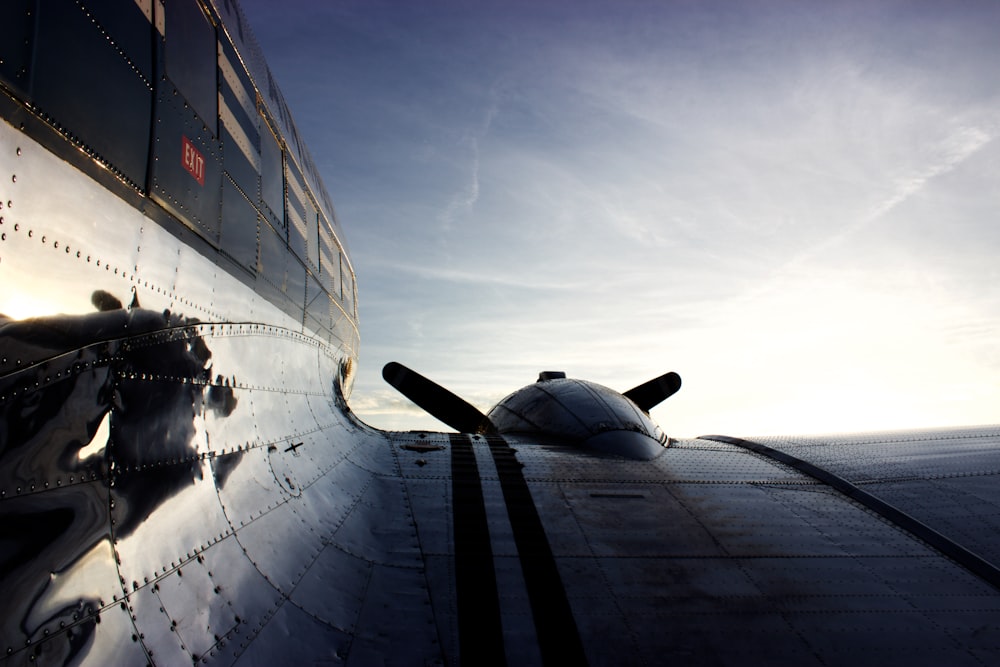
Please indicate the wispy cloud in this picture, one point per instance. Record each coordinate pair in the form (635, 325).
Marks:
(957, 147)
(464, 202)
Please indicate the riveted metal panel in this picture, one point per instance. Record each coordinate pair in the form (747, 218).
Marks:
(396, 622)
(325, 410)
(293, 637)
(302, 364)
(239, 121)
(227, 417)
(964, 507)
(156, 632)
(272, 176)
(86, 239)
(296, 289)
(372, 453)
(104, 636)
(157, 265)
(240, 229)
(317, 304)
(199, 611)
(58, 567)
(240, 152)
(91, 80)
(250, 486)
(297, 211)
(189, 56)
(291, 467)
(196, 293)
(430, 500)
(697, 566)
(347, 296)
(16, 38)
(279, 547)
(271, 410)
(330, 272)
(339, 495)
(56, 430)
(187, 164)
(392, 538)
(888, 456)
(312, 234)
(157, 409)
(690, 461)
(127, 26)
(945, 479)
(144, 553)
(334, 588)
(249, 598)
(281, 272)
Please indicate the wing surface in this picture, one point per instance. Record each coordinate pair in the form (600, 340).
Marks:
(948, 479)
(711, 553)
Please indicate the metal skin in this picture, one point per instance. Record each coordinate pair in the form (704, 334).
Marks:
(182, 482)
(580, 412)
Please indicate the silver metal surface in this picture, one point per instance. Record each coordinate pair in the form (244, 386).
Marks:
(588, 414)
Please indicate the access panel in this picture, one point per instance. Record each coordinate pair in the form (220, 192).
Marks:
(187, 167)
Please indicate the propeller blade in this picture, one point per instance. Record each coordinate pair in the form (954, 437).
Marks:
(650, 394)
(436, 400)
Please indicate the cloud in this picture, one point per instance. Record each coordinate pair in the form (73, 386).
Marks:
(464, 201)
(793, 206)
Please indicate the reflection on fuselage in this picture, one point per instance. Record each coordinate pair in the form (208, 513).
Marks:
(149, 374)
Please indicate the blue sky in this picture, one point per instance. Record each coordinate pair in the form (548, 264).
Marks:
(792, 204)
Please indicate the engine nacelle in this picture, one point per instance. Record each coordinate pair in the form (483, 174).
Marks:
(555, 409)
(562, 409)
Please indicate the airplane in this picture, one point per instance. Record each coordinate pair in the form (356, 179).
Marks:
(182, 480)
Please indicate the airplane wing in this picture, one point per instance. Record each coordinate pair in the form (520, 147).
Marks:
(714, 552)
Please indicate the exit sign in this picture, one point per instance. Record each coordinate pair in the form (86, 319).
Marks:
(192, 160)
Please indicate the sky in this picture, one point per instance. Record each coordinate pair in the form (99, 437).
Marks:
(794, 205)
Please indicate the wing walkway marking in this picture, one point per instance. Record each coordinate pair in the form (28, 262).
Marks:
(558, 636)
(480, 635)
